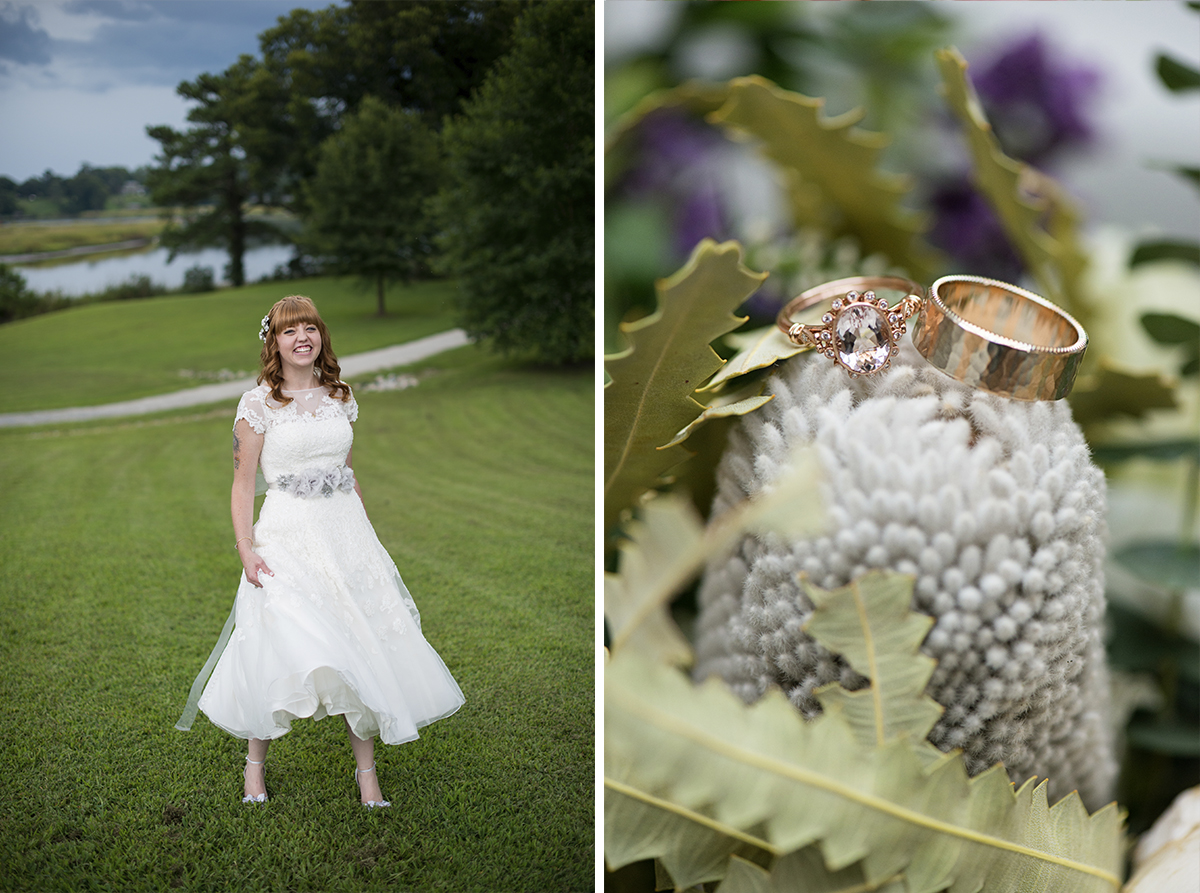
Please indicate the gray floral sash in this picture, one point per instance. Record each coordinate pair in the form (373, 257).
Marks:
(316, 482)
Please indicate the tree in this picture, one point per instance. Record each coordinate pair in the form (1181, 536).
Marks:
(421, 56)
(367, 201)
(517, 214)
(207, 168)
(8, 196)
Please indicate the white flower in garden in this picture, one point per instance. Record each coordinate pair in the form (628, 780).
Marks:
(996, 509)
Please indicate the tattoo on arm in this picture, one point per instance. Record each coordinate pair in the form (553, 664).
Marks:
(237, 457)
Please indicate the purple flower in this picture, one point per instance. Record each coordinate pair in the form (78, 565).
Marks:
(673, 166)
(670, 143)
(966, 227)
(1036, 101)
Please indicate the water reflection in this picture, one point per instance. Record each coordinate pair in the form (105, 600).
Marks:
(92, 275)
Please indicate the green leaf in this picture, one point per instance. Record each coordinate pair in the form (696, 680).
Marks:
(756, 349)
(1163, 563)
(1162, 450)
(725, 406)
(1161, 736)
(1037, 216)
(649, 398)
(1166, 249)
(1167, 328)
(667, 532)
(831, 170)
(1191, 174)
(694, 764)
(1175, 75)
(1139, 645)
(868, 622)
(1112, 392)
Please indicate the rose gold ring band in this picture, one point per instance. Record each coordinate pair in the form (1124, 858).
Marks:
(987, 334)
(999, 338)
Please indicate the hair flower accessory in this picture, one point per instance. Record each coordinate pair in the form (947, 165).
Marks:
(264, 327)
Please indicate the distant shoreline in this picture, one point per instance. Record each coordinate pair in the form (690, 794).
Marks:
(74, 252)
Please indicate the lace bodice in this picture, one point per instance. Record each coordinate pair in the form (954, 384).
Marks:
(313, 431)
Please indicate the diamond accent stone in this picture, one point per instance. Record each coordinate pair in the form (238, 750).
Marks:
(837, 304)
(827, 318)
(862, 338)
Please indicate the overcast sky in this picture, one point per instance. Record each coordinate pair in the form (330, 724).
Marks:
(81, 79)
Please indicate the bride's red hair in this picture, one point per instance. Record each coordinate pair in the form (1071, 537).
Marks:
(292, 311)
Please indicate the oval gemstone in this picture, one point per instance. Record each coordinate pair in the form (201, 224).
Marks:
(863, 338)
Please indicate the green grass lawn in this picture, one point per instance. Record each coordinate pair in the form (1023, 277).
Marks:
(101, 353)
(118, 570)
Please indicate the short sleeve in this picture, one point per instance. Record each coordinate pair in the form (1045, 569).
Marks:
(351, 408)
(253, 408)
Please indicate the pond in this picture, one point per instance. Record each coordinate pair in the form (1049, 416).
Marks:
(95, 274)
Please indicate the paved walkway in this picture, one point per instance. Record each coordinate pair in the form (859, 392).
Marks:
(353, 365)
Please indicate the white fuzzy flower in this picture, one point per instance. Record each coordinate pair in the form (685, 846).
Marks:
(996, 508)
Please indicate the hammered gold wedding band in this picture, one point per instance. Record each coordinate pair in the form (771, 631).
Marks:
(999, 338)
(860, 332)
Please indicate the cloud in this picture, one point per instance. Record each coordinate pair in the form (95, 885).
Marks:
(21, 41)
(100, 44)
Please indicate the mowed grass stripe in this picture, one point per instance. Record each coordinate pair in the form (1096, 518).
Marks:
(106, 352)
(118, 572)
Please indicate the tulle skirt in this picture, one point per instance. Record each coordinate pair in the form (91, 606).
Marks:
(333, 631)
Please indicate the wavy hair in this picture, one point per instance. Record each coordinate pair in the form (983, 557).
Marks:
(290, 311)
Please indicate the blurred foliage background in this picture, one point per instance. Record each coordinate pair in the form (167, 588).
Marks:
(673, 177)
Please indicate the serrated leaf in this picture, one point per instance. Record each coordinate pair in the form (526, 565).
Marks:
(1163, 563)
(1037, 216)
(1112, 392)
(792, 508)
(1164, 249)
(868, 622)
(763, 776)
(649, 397)
(723, 407)
(666, 533)
(756, 349)
(803, 871)
(1175, 75)
(832, 170)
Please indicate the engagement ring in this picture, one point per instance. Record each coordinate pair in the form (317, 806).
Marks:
(861, 331)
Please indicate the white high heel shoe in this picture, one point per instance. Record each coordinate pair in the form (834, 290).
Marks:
(370, 804)
(261, 798)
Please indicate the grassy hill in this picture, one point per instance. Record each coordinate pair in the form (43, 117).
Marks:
(101, 353)
(118, 572)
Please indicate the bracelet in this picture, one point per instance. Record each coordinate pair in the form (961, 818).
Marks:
(239, 542)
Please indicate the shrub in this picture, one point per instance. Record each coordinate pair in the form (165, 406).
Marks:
(197, 279)
(16, 300)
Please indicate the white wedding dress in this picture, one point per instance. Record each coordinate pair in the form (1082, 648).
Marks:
(334, 631)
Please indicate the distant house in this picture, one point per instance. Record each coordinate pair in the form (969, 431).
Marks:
(133, 187)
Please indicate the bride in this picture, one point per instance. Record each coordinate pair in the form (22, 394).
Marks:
(323, 623)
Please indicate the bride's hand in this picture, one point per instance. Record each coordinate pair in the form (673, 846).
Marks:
(253, 565)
